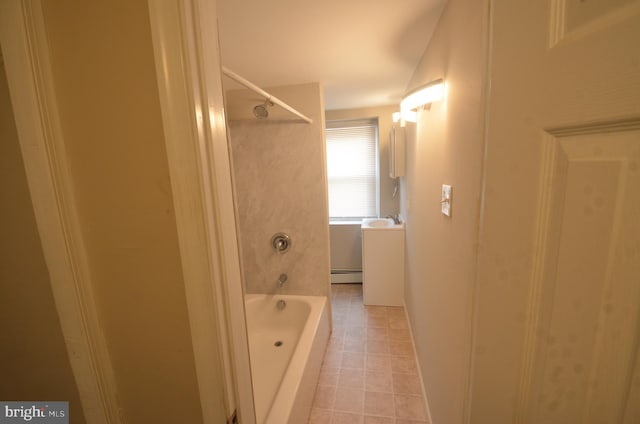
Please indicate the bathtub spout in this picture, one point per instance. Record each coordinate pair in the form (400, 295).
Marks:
(282, 279)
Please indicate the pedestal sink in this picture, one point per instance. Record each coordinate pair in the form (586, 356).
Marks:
(382, 262)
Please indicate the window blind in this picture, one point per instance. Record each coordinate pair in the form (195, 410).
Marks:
(352, 164)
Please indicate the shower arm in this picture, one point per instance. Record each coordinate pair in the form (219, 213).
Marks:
(228, 72)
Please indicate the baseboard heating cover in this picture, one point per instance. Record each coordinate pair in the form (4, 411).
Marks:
(339, 276)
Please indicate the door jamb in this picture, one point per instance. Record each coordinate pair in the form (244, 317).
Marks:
(188, 69)
(29, 76)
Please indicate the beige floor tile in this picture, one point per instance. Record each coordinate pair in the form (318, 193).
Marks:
(353, 360)
(406, 384)
(376, 310)
(338, 330)
(404, 364)
(378, 381)
(376, 403)
(349, 377)
(320, 416)
(378, 346)
(349, 400)
(324, 398)
(356, 320)
(377, 321)
(401, 334)
(355, 345)
(335, 344)
(378, 420)
(400, 348)
(378, 362)
(332, 359)
(398, 324)
(346, 418)
(356, 332)
(378, 333)
(396, 312)
(355, 314)
(328, 376)
(410, 407)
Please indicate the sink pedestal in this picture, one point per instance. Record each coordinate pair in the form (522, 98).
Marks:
(383, 264)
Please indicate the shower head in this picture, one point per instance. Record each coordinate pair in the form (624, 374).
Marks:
(260, 111)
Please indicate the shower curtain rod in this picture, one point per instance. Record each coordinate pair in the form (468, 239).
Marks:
(273, 99)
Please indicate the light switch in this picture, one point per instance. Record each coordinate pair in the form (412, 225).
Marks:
(445, 201)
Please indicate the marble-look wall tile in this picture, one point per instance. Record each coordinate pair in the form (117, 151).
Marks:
(280, 186)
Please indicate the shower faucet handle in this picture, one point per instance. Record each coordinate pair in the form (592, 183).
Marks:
(281, 242)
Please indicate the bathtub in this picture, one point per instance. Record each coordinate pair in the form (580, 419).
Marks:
(286, 347)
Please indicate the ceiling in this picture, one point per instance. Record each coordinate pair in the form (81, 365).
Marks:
(364, 52)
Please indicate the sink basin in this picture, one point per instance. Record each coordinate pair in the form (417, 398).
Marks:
(380, 223)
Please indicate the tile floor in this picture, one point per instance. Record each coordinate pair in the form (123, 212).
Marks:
(369, 373)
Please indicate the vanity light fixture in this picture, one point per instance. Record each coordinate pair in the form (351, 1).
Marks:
(429, 93)
(421, 96)
(405, 116)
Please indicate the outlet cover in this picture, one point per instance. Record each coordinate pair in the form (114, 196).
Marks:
(445, 201)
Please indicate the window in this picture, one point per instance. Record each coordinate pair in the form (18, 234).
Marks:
(352, 168)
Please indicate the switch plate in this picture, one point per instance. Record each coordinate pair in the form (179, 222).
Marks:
(446, 199)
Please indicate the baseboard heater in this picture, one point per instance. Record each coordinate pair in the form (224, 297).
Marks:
(346, 276)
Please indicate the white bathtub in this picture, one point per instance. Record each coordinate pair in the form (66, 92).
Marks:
(285, 376)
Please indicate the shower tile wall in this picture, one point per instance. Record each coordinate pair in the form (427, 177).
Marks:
(279, 177)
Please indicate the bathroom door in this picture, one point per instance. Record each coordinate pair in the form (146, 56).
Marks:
(558, 318)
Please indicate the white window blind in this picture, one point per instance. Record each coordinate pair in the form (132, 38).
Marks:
(352, 168)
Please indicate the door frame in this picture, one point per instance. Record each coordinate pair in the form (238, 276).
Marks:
(188, 67)
(187, 61)
(28, 67)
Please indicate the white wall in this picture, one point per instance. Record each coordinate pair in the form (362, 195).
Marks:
(346, 246)
(446, 147)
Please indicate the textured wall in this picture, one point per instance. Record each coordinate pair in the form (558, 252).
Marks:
(280, 186)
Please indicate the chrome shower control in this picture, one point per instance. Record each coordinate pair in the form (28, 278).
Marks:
(281, 242)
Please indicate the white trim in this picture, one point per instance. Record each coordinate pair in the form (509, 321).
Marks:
(187, 59)
(419, 370)
(25, 50)
(487, 50)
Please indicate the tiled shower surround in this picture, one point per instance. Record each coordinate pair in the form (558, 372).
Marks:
(279, 177)
(369, 373)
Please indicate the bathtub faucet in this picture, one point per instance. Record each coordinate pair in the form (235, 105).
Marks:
(282, 279)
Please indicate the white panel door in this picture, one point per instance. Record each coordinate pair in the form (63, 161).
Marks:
(558, 329)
